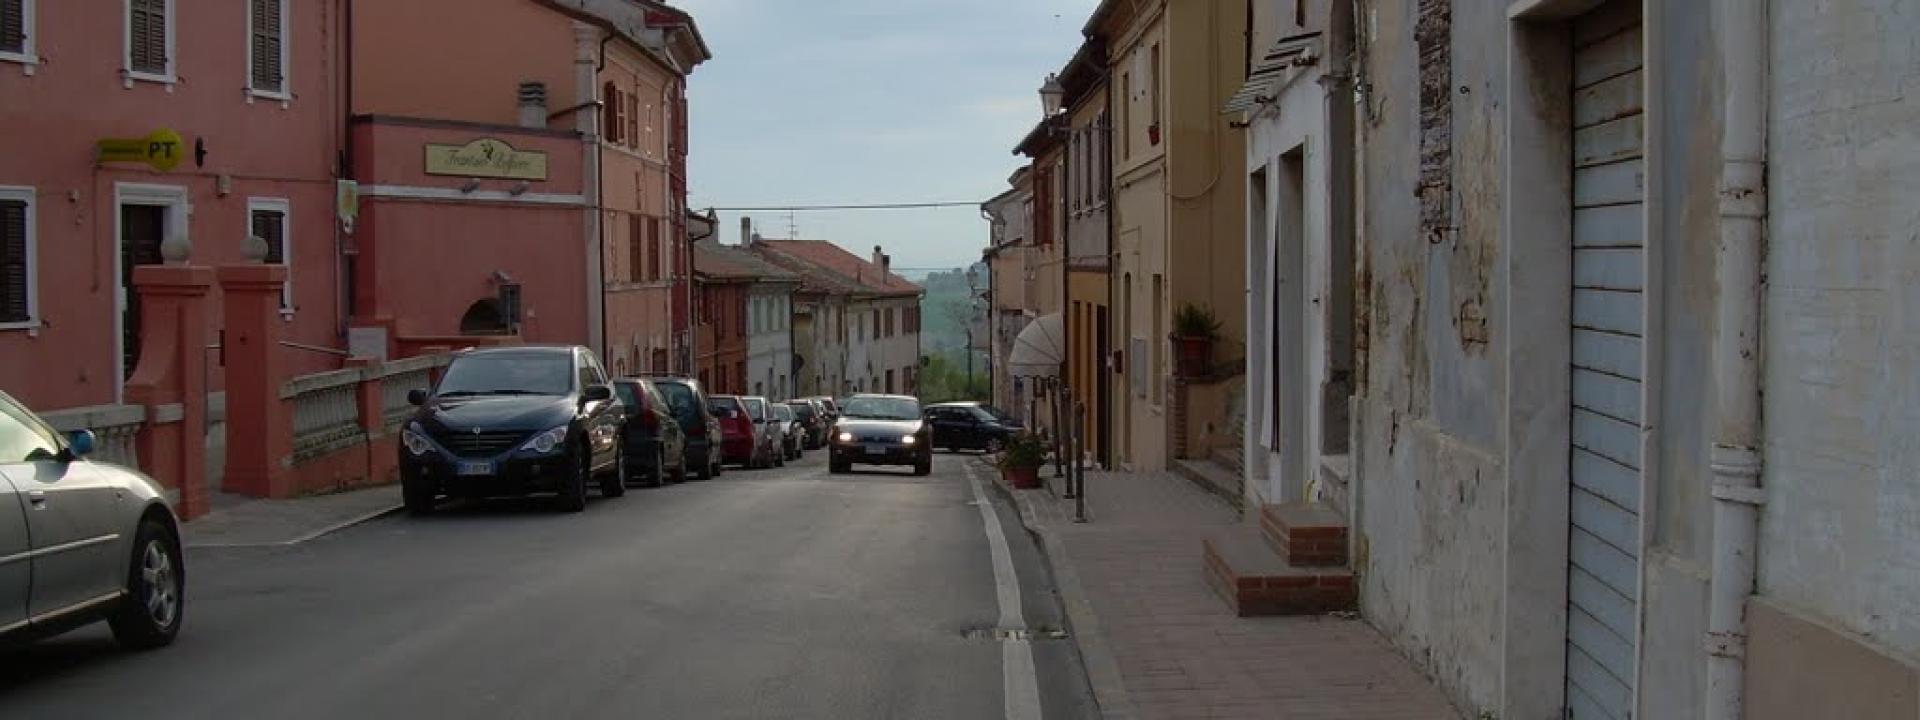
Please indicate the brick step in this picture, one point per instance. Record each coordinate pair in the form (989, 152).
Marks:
(1256, 583)
(1305, 534)
(1213, 478)
(1229, 457)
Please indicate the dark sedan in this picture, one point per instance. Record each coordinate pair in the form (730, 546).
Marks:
(652, 446)
(969, 426)
(697, 421)
(881, 430)
(514, 421)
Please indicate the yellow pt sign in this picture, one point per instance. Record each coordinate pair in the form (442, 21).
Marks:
(160, 149)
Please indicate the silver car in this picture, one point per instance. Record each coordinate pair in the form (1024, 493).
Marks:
(82, 541)
(767, 431)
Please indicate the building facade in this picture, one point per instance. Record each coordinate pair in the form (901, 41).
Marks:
(1178, 216)
(114, 160)
(1088, 231)
(878, 320)
(643, 157)
(1009, 221)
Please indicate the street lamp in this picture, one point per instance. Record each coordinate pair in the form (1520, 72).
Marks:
(1051, 94)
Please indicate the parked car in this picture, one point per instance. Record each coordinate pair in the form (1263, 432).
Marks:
(741, 439)
(689, 405)
(881, 430)
(652, 445)
(83, 541)
(787, 427)
(514, 421)
(813, 422)
(827, 405)
(968, 426)
(767, 434)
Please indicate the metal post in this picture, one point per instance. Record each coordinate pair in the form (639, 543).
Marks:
(1059, 430)
(1079, 468)
(1072, 433)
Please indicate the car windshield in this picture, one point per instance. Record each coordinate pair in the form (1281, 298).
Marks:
(982, 414)
(783, 412)
(724, 408)
(756, 408)
(629, 393)
(519, 373)
(805, 412)
(882, 408)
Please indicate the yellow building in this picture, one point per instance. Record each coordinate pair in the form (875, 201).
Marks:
(1084, 92)
(1178, 216)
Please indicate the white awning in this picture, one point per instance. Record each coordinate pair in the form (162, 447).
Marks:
(1039, 349)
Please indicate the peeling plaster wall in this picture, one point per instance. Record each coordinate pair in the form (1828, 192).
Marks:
(1841, 531)
(1431, 512)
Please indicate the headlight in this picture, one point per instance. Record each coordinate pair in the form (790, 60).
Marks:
(845, 437)
(415, 440)
(545, 442)
(906, 440)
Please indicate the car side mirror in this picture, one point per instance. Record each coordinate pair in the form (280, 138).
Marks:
(597, 393)
(416, 397)
(80, 443)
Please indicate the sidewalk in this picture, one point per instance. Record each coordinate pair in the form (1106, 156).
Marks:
(1159, 644)
(238, 521)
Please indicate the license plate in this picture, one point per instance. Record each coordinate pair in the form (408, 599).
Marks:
(876, 449)
(476, 468)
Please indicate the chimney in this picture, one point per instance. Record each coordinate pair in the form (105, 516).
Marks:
(880, 259)
(746, 231)
(533, 104)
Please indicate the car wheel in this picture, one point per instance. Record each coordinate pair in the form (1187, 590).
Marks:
(923, 467)
(707, 467)
(573, 490)
(615, 484)
(417, 496)
(780, 458)
(156, 599)
(680, 474)
(657, 477)
(719, 468)
(837, 467)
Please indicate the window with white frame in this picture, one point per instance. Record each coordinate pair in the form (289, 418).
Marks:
(150, 40)
(267, 220)
(16, 31)
(17, 296)
(267, 47)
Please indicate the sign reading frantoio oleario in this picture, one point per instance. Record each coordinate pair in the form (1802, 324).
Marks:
(486, 157)
(159, 150)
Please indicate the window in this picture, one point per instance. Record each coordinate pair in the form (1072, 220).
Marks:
(1153, 87)
(613, 113)
(632, 133)
(16, 258)
(267, 220)
(636, 260)
(23, 438)
(267, 47)
(16, 32)
(149, 40)
(1126, 115)
(1159, 336)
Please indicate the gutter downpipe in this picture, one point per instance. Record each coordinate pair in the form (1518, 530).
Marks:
(586, 76)
(1737, 456)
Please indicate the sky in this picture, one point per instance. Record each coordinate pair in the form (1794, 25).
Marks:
(870, 101)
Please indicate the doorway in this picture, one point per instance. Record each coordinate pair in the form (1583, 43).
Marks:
(146, 215)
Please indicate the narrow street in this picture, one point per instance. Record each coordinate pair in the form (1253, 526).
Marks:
(772, 593)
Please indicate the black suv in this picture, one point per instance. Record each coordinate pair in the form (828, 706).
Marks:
(688, 402)
(513, 421)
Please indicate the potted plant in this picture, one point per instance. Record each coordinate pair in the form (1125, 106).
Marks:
(1020, 460)
(1194, 331)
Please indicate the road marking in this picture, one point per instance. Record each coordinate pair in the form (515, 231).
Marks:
(1016, 654)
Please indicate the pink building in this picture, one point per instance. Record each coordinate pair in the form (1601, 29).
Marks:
(138, 130)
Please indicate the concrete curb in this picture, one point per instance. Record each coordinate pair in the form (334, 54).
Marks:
(1083, 625)
(314, 535)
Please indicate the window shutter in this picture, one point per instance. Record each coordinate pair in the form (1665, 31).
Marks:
(13, 26)
(267, 43)
(610, 113)
(13, 261)
(147, 39)
(635, 250)
(653, 249)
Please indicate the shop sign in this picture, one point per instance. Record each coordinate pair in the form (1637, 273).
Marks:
(487, 158)
(160, 149)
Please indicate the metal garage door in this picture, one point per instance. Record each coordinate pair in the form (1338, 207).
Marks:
(1609, 273)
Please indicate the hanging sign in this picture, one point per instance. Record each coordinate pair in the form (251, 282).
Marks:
(160, 149)
(487, 158)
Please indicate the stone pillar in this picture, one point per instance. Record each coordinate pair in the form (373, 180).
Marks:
(259, 423)
(171, 380)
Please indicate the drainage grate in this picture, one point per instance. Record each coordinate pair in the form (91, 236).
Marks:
(1007, 634)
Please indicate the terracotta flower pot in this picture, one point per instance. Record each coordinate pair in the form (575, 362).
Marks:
(1022, 478)
(1195, 356)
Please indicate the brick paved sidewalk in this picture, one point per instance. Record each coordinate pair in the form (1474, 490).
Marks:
(1159, 644)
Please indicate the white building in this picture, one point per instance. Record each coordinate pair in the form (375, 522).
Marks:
(872, 341)
(1632, 340)
(770, 338)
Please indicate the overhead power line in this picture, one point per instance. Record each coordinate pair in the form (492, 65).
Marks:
(874, 206)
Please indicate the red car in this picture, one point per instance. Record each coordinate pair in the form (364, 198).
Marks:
(738, 437)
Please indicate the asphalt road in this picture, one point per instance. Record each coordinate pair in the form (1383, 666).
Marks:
(783, 593)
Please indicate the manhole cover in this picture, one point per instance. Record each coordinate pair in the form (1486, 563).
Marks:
(1006, 634)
